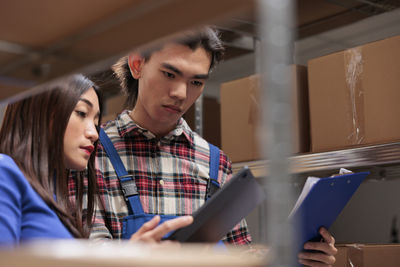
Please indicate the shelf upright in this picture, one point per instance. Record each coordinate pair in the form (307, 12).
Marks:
(198, 115)
(276, 33)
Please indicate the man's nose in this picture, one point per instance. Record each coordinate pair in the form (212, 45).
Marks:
(179, 91)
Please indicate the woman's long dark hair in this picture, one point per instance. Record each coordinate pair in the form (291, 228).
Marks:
(33, 132)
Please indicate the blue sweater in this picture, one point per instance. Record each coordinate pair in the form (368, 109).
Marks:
(23, 213)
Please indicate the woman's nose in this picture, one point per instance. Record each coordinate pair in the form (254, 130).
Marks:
(92, 133)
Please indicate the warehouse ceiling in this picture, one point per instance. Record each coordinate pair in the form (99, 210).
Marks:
(44, 39)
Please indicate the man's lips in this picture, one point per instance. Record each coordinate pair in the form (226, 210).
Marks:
(88, 149)
(173, 108)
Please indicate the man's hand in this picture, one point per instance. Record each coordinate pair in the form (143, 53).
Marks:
(324, 252)
(151, 233)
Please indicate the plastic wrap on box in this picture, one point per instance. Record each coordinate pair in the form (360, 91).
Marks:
(355, 94)
(254, 109)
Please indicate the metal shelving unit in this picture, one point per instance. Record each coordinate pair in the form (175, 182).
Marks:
(103, 34)
(369, 156)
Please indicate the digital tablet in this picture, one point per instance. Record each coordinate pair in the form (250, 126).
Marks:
(220, 213)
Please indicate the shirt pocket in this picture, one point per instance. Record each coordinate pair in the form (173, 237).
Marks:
(194, 187)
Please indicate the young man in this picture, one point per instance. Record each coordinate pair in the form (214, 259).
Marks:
(168, 163)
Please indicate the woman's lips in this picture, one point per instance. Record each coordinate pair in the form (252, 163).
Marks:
(88, 149)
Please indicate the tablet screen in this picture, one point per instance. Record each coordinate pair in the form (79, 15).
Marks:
(220, 213)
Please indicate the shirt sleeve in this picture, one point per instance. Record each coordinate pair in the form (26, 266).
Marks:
(100, 227)
(10, 201)
(240, 234)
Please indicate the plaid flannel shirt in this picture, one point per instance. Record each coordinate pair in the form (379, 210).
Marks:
(171, 175)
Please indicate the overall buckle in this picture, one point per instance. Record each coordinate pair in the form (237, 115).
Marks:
(128, 186)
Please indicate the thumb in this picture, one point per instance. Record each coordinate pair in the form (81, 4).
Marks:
(148, 226)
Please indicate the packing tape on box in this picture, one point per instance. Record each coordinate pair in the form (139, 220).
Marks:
(355, 255)
(355, 94)
(254, 110)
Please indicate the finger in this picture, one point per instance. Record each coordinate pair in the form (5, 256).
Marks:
(146, 227)
(321, 258)
(326, 248)
(171, 225)
(328, 238)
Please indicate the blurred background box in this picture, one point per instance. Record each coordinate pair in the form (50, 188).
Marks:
(240, 109)
(113, 106)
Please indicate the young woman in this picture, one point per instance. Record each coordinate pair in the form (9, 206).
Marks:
(42, 139)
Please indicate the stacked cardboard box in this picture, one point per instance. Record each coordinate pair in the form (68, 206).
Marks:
(368, 255)
(354, 96)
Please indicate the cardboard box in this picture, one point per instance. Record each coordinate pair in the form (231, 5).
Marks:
(368, 255)
(240, 116)
(354, 96)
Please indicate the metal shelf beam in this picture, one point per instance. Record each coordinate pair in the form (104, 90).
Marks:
(369, 156)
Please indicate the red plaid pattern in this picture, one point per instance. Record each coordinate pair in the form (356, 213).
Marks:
(171, 175)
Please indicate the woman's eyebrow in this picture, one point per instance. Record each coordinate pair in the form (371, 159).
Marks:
(89, 104)
(86, 101)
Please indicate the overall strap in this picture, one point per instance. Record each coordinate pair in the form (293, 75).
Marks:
(127, 181)
(213, 185)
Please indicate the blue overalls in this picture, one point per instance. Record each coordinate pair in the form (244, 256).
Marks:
(137, 217)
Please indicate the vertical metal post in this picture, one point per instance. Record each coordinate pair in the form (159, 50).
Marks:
(257, 54)
(198, 115)
(276, 19)
(262, 209)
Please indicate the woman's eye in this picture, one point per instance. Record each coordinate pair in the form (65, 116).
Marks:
(81, 114)
(168, 74)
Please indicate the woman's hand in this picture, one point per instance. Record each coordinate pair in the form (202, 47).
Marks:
(323, 254)
(151, 232)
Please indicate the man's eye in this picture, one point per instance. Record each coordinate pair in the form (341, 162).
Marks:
(197, 83)
(168, 74)
(81, 114)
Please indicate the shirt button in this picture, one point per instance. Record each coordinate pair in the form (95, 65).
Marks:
(161, 182)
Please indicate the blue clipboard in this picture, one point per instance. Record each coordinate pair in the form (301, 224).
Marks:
(323, 204)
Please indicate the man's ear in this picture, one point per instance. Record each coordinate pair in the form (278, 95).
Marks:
(135, 62)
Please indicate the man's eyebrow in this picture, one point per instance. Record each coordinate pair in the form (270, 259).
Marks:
(177, 71)
(200, 76)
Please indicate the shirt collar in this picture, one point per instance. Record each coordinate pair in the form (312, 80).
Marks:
(126, 126)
